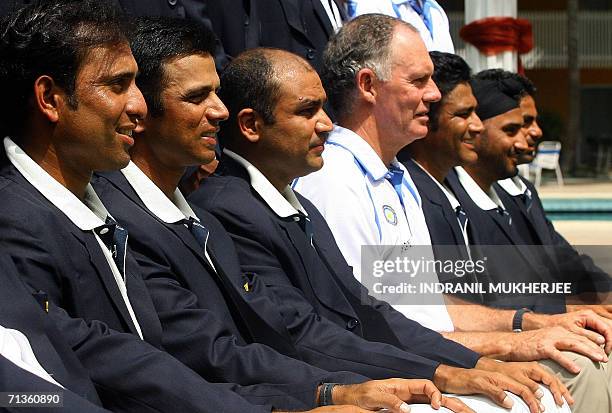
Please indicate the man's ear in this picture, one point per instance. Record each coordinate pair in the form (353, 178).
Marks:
(367, 83)
(48, 97)
(249, 124)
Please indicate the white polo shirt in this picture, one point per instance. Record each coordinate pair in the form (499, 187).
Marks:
(363, 208)
(86, 215)
(439, 40)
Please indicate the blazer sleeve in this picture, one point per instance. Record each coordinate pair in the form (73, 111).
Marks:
(13, 378)
(574, 266)
(320, 340)
(131, 375)
(197, 338)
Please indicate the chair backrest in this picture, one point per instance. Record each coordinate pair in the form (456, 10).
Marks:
(548, 153)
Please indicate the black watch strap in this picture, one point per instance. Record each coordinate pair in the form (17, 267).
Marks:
(517, 320)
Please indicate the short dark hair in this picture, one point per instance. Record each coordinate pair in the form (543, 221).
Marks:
(364, 42)
(249, 81)
(450, 70)
(51, 38)
(158, 40)
(526, 86)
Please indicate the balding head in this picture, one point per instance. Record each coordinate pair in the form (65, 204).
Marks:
(253, 80)
(277, 119)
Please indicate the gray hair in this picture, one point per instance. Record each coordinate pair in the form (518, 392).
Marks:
(362, 43)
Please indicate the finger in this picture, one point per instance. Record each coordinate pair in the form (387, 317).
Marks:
(455, 405)
(605, 313)
(388, 401)
(523, 392)
(594, 322)
(555, 386)
(432, 392)
(583, 346)
(498, 395)
(422, 390)
(564, 361)
(527, 379)
(591, 335)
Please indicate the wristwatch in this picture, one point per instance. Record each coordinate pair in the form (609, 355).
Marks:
(517, 320)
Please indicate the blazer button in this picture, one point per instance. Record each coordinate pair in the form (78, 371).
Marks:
(352, 323)
(310, 54)
(172, 2)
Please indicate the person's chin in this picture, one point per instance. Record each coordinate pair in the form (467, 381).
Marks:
(467, 157)
(416, 133)
(115, 164)
(315, 163)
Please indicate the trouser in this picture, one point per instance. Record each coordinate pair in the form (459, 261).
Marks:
(591, 388)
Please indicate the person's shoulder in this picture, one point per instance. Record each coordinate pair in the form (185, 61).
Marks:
(218, 189)
(227, 196)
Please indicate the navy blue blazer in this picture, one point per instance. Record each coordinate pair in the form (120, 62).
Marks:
(299, 26)
(313, 284)
(15, 379)
(508, 259)
(318, 341)
(54, 256)
(444, 231)
(215, 309)
(537, 229)
(81, 355)
(19, 310)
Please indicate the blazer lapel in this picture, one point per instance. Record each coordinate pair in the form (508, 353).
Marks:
(292, 12)
(108, 280)
(430, 191)
(322, 15)
(309, 256)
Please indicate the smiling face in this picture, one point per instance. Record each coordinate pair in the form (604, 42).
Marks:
(532, 130)
(402, 102)
(292, 145)
(458, 128)
(185, 133)
(96, 135)
(499, 144)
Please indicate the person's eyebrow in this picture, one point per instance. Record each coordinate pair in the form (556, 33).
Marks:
(200, 90)
(307, 103)
(118, 76)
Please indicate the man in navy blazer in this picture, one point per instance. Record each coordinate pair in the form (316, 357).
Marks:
(282, 240)
(78, 116)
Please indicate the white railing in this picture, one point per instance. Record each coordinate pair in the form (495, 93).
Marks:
(550, 39)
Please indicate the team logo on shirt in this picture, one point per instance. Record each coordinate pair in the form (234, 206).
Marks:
(390, 215)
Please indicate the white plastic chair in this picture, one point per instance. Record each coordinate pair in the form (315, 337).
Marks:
(547, 157)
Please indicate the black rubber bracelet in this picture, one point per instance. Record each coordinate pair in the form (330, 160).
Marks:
(517, 320)
(325, 394)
